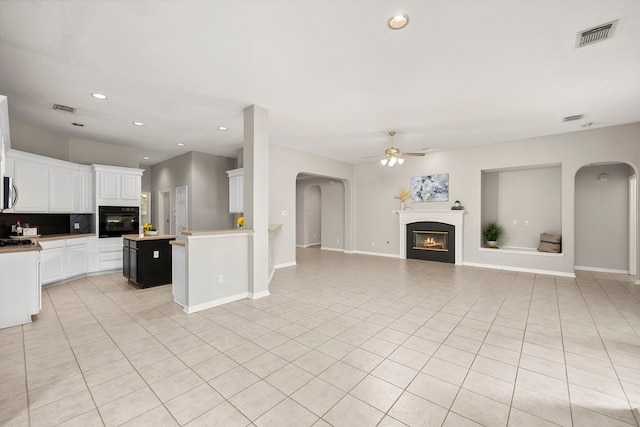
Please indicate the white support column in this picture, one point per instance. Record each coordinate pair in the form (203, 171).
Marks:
(256, 197)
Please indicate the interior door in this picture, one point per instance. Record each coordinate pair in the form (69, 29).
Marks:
(182, 213)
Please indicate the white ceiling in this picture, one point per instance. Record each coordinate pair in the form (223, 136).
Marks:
(334, 78)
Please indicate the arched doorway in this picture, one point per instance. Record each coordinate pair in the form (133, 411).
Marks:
(606, 218)
(320, 212)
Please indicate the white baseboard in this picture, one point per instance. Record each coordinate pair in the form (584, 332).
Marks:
(601, 270)
(308, 245)
(324, 248)
(284, 265)
(520, 269)
(375, 254)
(215, 303)
(259, 295)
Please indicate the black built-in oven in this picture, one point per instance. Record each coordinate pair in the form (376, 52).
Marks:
(114, 221)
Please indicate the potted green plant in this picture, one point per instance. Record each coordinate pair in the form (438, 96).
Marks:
(492, 233)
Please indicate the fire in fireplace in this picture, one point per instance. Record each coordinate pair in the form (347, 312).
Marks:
(431, 240)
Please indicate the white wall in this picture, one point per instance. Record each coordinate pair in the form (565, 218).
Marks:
(308, 213)
(602, 217)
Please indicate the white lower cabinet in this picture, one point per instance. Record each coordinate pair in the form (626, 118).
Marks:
(20, 291)
(52, 261)
(76, 257)
(110, 253)
(63, 259)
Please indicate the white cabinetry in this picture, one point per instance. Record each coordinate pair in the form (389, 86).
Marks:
(4, 142)
(49, 185)
(63, 259)
(236, 190)
(61, 194)
(52, 261)
(31, 179)
(76, 257)
(117, 186)
(83, 201)
(20, 291)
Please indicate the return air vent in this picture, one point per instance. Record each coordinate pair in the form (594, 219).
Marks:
(572, 118)
(596, 34)
(64, 108)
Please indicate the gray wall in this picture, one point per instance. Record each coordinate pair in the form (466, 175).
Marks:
(602, 217)
(36, 140)
(532, 195)
(208, 188)
(320, 215)
(209, 192)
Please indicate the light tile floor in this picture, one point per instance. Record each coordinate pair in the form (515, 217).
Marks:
(344, 340)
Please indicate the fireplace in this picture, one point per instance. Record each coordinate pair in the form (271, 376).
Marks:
(431, 241)
(453, 218)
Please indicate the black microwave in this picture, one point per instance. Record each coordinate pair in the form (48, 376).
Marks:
(114, 221)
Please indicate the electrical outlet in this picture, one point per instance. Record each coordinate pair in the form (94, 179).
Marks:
(526, 222)
(373, 243)
(156, 254)
(76, 226)
(220, 278)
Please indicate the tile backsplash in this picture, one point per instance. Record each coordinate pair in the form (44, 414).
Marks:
(47, 223)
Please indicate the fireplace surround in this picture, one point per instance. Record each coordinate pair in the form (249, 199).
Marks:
(454, 218)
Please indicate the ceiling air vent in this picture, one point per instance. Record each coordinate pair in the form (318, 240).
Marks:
(64, 108)
(596, 34)
(572, 118)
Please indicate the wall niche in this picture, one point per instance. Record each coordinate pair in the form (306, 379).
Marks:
(526, 201)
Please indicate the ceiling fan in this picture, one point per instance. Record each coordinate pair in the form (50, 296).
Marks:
(393, 155)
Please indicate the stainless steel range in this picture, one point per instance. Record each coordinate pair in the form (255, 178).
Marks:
(16, 242)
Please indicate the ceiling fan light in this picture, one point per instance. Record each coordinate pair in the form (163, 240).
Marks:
(392, 162)
(384, 161)
(400, 160)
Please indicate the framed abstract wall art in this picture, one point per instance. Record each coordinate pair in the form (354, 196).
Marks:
(430, 188)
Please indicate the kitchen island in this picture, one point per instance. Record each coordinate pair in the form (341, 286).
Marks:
(146, 260)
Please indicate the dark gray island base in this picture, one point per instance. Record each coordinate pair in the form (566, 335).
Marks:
(146, 260)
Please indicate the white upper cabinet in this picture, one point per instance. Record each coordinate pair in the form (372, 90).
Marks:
(61, 190)
(117, 186)
(236, 190)
(48, 185)
(32, 182)
(4, 142)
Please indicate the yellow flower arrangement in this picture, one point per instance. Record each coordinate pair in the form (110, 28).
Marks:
(148, 227)
(240, 222)
(404, 195)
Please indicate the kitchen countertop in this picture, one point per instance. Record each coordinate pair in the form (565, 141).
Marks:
(178, 243)
(63, 236)
(140, 237)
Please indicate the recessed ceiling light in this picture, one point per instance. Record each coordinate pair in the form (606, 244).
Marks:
(222, 128)
(398, 22)
(77, 124)
(146, 157)
(180, 144)
(99, 96)
(138, 123)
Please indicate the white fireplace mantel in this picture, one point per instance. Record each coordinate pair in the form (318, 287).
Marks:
(451, 217)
